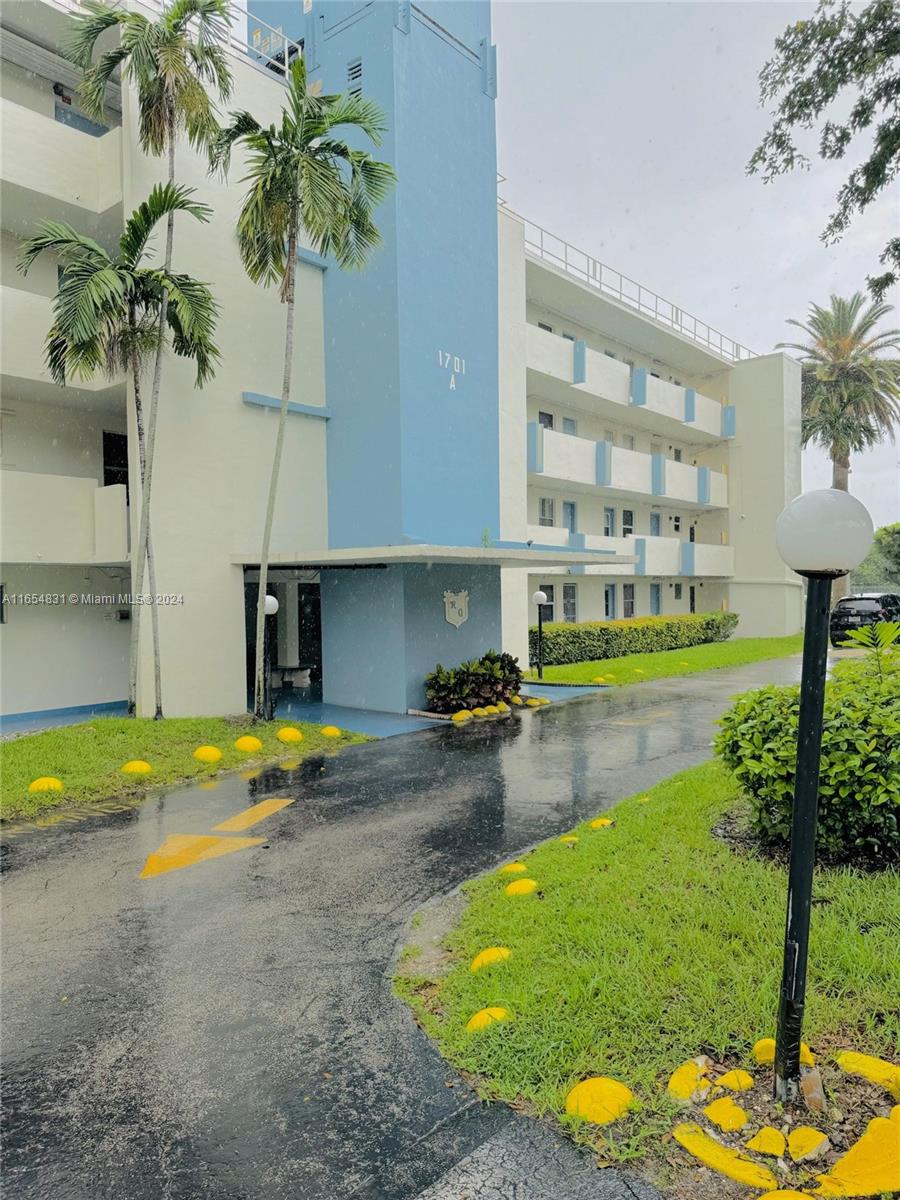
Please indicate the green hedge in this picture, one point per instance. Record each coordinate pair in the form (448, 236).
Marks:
(859, 784)
(589, 641)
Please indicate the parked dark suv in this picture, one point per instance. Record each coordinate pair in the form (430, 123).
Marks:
(867, 608)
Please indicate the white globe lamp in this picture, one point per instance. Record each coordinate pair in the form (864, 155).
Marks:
(271, 606)
(540, 599)
(825, 533)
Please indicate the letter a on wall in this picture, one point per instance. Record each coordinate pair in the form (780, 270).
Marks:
(456, 607)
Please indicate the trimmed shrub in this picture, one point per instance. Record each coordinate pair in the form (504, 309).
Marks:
(473, 684)
(587, 641)
(859, 784)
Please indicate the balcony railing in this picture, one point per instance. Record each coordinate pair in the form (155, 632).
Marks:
(669, 556)
(53, 159)
(62, 519)
(679, 411)
(25, 318)
(589, 464)
(590, 271)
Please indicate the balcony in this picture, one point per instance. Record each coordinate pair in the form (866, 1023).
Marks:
(699, 560)
(43, 156)
(653, 555)
(572, 374)
(25, 318)
(62, 519)
(582, 465)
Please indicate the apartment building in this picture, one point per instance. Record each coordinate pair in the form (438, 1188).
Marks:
(648, 434)
(480, 412)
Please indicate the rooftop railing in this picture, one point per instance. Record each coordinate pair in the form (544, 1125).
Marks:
(264, 45)
(589, 270)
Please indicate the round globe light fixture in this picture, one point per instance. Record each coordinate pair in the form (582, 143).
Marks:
(539, 598)
(826, 533)
(271, 606)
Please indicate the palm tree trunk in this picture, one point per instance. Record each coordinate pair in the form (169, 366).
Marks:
(144, 531)
(151, 567)
(288, 296)
(840, 479)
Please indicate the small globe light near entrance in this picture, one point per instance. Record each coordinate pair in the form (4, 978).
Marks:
(821, 535)
(827, 532)
(271, 606)
(540, 599)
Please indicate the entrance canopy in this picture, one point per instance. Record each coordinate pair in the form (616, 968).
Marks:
(501, 554)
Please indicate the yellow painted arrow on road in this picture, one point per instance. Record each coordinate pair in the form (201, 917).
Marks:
(186, 849)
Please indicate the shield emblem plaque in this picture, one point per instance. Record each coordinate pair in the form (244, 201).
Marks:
(456, 608)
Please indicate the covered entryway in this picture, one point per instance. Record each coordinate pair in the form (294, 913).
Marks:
(294, 635)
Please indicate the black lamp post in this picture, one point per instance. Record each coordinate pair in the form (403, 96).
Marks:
(271, 603)
(821, 535)
(540, 599)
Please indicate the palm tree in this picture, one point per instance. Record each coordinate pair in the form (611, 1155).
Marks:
(106, 318)
(851, 388)
(173, 61)
(303, 178)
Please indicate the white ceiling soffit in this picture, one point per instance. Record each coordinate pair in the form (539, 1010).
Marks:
(32, 57)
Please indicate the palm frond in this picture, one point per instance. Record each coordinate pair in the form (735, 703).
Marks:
(163, 199)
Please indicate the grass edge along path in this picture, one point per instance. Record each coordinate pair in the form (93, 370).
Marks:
(648, 941)
(88, 757)
(665, 664)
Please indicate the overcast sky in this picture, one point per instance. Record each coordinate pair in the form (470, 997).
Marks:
(625, 127)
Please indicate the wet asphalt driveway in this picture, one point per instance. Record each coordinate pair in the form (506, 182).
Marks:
(228, 1030)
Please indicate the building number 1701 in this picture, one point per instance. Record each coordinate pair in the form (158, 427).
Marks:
(451, 362)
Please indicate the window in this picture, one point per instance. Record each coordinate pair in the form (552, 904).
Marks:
(546, 328)
(627, 522)
(547, 609)
(545, 419)
(354, 77)
(115, 458)
(609, 353)
(654, 374)
(677, 591)
(609, 436)
(570, 518)
(609, 522)
(655, 599)
(2, 604)
(692, 533)
(676, 453)
(570, 337)
(546, 515)
(609, 601)
(569, 603)
(692, 592)
(676, 524)
(627, 599)
(654, 524)
(570, 425)
(628, 441)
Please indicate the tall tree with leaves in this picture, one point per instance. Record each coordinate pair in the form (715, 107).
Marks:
(851, 382)
(175, 61)
(106, 318)
(842, 54)
(303, 178)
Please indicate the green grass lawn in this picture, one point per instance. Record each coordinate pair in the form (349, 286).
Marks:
(647, 942)
(88, 757)
(637, 668)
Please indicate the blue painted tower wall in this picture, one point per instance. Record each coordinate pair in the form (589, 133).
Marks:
(412, 340)
(384, 629)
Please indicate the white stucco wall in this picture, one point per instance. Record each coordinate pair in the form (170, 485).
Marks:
(764, 474)
(214, 452)
(61, 656)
